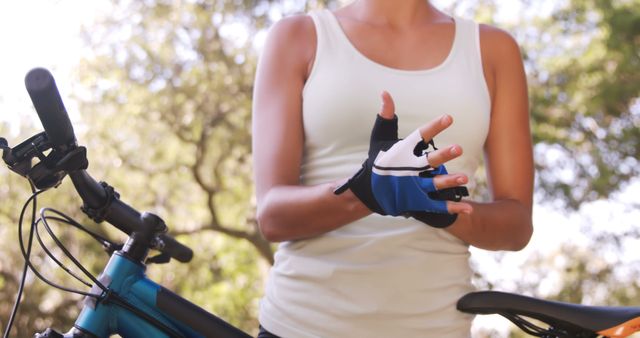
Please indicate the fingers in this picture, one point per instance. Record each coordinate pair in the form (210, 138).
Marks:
(433, 128)
(459, 207)
(449, 181)
(429, 131)
(388, 106)
(443, 155)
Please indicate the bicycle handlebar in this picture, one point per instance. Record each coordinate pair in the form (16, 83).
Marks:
(121, 215)
(48, 103)
(53, 115)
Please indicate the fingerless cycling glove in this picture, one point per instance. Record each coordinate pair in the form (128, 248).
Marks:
(396, 179)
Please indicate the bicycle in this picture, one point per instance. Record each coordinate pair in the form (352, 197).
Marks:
(122, 300)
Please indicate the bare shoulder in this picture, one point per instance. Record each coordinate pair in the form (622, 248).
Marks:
(293, 39)
(498, 45)
(293, 26)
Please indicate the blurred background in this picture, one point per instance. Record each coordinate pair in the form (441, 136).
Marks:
(159, 91)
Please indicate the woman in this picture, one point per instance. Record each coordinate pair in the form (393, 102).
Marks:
(342, 270)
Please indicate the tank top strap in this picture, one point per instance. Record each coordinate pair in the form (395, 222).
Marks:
(328, 32)
(466, 34)
(467, 49)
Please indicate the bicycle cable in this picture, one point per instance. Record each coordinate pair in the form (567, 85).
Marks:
(535, 330)
(53, 258)
(26, 254)
(47, 281)
(66, 252)
(107, 244)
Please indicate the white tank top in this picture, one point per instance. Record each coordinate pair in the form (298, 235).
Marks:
(379, 276)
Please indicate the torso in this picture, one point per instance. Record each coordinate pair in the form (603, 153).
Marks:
(397, 255)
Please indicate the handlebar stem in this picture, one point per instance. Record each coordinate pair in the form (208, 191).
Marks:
(137, 247)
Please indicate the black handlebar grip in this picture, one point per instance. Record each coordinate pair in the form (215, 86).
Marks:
(176, 249)
(48, 103)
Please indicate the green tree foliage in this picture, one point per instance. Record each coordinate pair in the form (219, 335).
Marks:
(585, 89)
(585, 84)
(169, 97)
(174, 96)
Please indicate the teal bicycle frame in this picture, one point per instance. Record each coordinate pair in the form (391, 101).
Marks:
(127, 279)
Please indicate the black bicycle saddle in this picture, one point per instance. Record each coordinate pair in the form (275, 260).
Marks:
(570, 318)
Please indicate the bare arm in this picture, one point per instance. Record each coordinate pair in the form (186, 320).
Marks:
(505, 223)
(287, 210)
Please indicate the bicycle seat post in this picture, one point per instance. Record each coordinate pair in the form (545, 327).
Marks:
(140, 241)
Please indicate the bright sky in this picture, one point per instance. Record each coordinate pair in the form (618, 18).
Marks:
(45, 33)
(40, 33)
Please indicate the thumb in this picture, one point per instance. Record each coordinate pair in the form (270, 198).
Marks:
(385, 129)
(388, 106)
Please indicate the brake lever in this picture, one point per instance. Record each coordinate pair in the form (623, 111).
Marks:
(51, 168)
(6, 150)
(161, 258)
(19, 157)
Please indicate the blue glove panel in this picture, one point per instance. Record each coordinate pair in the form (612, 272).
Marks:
(398, 195)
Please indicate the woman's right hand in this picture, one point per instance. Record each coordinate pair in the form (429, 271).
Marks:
(401, 177)
(437, 157)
